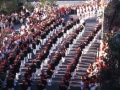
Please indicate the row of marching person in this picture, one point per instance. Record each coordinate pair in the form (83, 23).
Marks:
(23, 53)
(17, 58)
(26, 45)
(52, 65)
(90, 81)
(53, 62)
(71, 69)
(87, 10)
(58, 58)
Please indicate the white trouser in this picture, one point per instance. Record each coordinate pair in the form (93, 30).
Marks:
(63, 59)
(19, 71)
(73, 74)
(10, 88)
(33, 76)
(22, 63)
(26, 59)
(49, 81)
(37, 47)
(34, 51)
(17, 76)
(44, 40)
(31, 46)
(38, 71)
(68, 87)
(53, 76)
(42, 65)
(10, 66)
(60, 62)
(29, 55)
(46, 62)
(29, 88)
(56, 69)
(15, 81)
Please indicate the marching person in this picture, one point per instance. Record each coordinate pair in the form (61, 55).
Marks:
(10, 83)
(44, 81)
(38, 65)
(33, 70)
(16, 68)
(25, 55)
(34, 47)
(38, 44)
(24, 85)
(49, 75)
(40, 85)
(43, 74)
(29, 50)
(62, 86)
(66, 82)
(22, 58)
(29, 81)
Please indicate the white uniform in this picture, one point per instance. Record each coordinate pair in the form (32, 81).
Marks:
(82, 21)
(78, 12)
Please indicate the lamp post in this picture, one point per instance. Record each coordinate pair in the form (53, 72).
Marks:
(103, 10)
(102, 29)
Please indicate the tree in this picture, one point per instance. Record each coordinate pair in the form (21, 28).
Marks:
(45, 2)
(111, 76)
(112, 16)
(8, 6)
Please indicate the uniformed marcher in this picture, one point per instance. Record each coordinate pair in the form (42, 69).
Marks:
(25, 55)
(40, 85)
(66, 82)
(43, 74)
(29, 50)
(38, 44)
(49, 75)
(24, 85)
(10, 59)
(22, 58)
(62, 86)
(33, 70)
(29, 81)
(26, 74)
(44, 81)
(10, 83)
(38, 66)
(16, 68)
(34, 47)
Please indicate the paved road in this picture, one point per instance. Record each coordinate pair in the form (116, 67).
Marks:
(90, 23)
(86, 59)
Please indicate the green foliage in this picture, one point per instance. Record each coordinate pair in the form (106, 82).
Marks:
(28, 5)
(112, 15)
(45, 2)
(8, 6)
(111, 76)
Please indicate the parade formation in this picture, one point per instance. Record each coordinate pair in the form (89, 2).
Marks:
(45, 39)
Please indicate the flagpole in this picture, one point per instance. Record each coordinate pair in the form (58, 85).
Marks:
(103, 24)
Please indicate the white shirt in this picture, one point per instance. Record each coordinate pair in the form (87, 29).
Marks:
(93, 88)
(22, 27)
(22, 32)
(82, 21)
